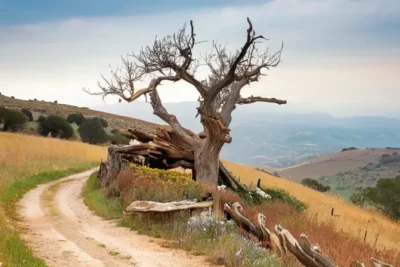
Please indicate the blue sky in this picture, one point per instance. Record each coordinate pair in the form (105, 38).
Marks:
(340, 56)
(32, 11)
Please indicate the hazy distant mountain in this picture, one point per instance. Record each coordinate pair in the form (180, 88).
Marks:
(268, 134)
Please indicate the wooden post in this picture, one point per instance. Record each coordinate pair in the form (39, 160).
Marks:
(218, 205)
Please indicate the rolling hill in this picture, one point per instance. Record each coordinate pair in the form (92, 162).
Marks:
(38, 107)
(348, 171)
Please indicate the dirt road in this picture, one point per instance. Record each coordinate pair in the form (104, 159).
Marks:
(61, 230)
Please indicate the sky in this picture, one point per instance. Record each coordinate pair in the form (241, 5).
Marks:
(340, 56)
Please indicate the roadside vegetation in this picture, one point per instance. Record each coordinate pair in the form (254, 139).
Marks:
(203, 235)
(218, 239)
(25, 162)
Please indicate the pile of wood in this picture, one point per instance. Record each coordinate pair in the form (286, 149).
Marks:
(162, 150)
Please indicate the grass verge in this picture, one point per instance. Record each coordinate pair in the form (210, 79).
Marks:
(95, 199)
(13, 251)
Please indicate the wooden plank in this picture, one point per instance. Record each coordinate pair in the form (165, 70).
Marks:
(156, 207)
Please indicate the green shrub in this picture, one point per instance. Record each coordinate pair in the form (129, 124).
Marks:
(27, 113)
(92, 131)
(76, 118)
(314, 184)
(385, 196)
(349, 148)
(117, 138)
(386, 158)
(104, 122)
(278, 194)
(12, 119)
(56, 125)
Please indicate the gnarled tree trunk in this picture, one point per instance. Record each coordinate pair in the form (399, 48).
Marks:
(206, 155)
(206, 162)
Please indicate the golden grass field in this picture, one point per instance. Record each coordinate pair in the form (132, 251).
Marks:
(352, 220)
(23, 155)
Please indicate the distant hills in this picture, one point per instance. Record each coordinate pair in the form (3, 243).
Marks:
(346, 172)
(269, 135)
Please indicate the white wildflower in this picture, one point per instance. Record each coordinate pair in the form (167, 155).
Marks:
(262, 193)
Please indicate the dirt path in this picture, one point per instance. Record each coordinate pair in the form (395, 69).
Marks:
(61, 230)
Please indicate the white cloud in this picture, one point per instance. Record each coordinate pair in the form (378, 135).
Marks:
(335, 51)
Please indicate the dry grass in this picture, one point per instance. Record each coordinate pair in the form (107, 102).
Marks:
(22, 155)
(353, 220)
(26, 161)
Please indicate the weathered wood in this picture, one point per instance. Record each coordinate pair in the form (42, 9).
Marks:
(157, 207)
(235, 213)
(294, 247)
(313, 251)
(356, 263)
(378, 263)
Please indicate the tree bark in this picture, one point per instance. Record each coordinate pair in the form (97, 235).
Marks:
(206, 162)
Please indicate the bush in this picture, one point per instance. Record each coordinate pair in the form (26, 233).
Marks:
(92, 131)
(12, 119)
(314, 184)
(76, 118)
(117, 138)
(104, 122)
(56, 125)
(386, 158)
(383, 197)
(133, 184)
(281, 195)
(349, 148)
(27, 113)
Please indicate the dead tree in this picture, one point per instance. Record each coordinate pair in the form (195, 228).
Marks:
(172, 59)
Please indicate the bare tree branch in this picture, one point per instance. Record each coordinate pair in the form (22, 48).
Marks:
(162, 113)
(230, 101)
(253, 99)
(243, 61)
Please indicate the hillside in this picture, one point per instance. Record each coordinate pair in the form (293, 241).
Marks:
(38, 107)
(346, 172)
(352, 218)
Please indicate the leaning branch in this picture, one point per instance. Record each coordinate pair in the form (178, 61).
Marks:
(172, 120)
(253, 99)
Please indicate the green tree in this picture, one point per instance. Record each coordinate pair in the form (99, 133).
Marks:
(314, 184)
(76, 118)
(56, 125)
(92, 131)
(104, 122)
(117, 138)
(12, 119)
(385, 196)
(27, 113)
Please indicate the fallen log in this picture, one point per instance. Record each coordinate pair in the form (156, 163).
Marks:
(234, 212)
(157, 207)
(314, 252)
(295, 248)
